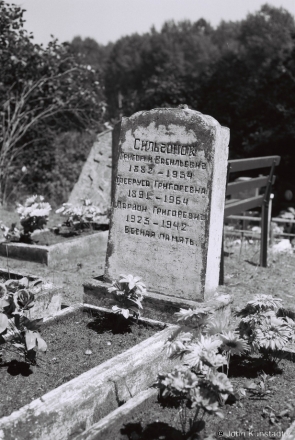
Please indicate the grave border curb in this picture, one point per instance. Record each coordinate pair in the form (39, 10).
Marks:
(110, 426)
(55, 254)
(96, 292)
(94, 394)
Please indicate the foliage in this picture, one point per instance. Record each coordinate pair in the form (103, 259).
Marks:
(52, 167)
(81, 216)
(241, 73)
(89, 52)
(129, 292)
(17, 331)
(41, 90)
(157, 68)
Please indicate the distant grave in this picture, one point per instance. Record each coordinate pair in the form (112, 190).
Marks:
(96, 176)
(167, 217)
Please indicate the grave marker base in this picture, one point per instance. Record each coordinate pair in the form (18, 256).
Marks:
(96, 293)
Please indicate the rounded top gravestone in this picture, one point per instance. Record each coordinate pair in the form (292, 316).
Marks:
(168, 206)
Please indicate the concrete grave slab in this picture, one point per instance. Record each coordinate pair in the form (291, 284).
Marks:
(156, 305)
(167, 218)
(58, 254)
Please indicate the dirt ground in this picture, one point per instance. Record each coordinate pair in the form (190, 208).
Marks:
(244, 278)
(65, 358)
(246, 418)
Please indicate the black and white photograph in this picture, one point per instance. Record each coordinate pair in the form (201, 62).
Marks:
(147, 219)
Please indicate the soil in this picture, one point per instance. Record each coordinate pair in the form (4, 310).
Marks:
(67, 340)
(244, 278)
(255, 416)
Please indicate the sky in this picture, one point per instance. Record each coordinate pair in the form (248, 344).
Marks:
(108, 20)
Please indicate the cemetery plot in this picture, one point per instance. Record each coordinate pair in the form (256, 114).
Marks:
(69, 250)
(68, 343)
(79, 338)
(258, 415)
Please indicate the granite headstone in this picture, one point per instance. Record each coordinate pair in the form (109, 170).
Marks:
(168, 207)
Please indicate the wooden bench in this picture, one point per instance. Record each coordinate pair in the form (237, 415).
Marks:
(236, 206)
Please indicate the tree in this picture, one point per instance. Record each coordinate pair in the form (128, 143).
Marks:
(247, 86)
(89, 52)
(39, 88)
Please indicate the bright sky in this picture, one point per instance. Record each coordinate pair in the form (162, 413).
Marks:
(108, 20)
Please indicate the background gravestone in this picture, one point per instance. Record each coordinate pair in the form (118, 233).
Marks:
(115, 155)
(168, 207)
(96, 176)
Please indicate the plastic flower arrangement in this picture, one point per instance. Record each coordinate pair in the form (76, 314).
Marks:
(266, 332)
(265, 328)
(33, 216)
(81, 216)
(129, 292)
(17, 331)
(196, 382)
(197, 319)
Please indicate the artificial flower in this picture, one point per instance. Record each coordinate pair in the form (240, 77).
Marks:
(273, 334)
(265, 302)
(133, 282)
(232, 344)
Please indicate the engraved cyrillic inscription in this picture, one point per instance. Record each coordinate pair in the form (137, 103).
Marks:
(165, 184)
(165, 148)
